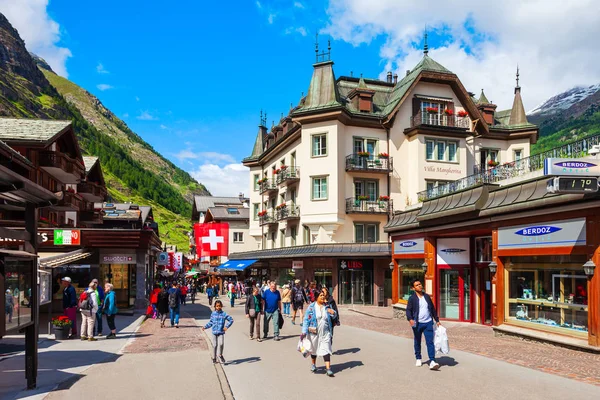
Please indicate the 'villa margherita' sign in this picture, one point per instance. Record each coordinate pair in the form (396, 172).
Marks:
(566, 233)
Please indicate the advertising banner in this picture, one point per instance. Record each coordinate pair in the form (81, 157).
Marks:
(409, 246)
(566, 233)
(453, 251)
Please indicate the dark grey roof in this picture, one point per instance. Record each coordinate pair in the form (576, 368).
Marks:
(203, 203)
(15, 154)
(457, 203)
(89, 163)
(221, 213)
(31, 130)
(319, 250)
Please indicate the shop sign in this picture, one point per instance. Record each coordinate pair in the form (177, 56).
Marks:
(351, 264)
(567, 233)
(453, 251)
(67, 237)
(42, 238)
(409, 246)
(163, 258)
(118, 259)
(297, 264)
(572, 167)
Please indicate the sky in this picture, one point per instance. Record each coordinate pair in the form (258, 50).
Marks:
(191, 77)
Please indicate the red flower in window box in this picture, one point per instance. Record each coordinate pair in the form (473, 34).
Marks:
(462, 113)
(432, 110)
(363, 154)
(262, 213)
(492, 163)
(448, 112)
(283, 168)
(384, 198)
(281, 206)
(383, 155)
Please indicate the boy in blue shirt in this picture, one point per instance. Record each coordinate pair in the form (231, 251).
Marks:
(220, 321)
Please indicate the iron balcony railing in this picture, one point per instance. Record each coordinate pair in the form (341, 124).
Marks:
(359, 205)
(365, 162)
(513, 169)
(268, 218)
(290, 211)
(289, 174)
(267, 186)
(436, 119)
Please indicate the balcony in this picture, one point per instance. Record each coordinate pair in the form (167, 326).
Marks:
(92, 217)
(513, 171)
(70, 201)
(288, 212)
(62, 167)
(357, 205)
(440, 120)
(268, 185)
(91, 191)
(288, 175)
(364, 162)
(267, 219)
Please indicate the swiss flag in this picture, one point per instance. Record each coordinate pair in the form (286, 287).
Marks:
(212, 239)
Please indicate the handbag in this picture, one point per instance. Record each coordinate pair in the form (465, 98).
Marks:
(280, 321)
(252, 313)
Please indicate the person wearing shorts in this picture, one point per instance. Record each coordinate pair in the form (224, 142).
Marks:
(298, 300)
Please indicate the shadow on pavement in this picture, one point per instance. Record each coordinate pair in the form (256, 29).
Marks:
(244, 360)
(347, 365)
(346, 351)
(447, 361)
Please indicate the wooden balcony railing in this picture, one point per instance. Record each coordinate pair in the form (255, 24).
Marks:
(54, 159)
(91, 188)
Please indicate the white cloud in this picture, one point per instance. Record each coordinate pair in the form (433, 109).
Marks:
(258, 4)
(100, 69)
(186, 154)
(103, 87)
(301, 30)
(271, 18)
(40, 32)
(207, 156)
(229, 180)
(297, 4)
(553, 41)
(163, 126)
(146, 116)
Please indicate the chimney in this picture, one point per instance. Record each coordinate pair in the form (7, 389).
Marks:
(395, 78)
(389, 77)
(407, 72)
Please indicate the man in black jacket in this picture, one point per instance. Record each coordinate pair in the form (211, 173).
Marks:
(421, 313)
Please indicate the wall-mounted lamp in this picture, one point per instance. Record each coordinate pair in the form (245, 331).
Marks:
(392, 266)
(424, 267)
(493, 266)
(589, 268)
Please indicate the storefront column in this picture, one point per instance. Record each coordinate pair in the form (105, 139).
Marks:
(593, 287)
(32, 331)
(430, 259)
(140, 281)
(395, 282)
(498, 290)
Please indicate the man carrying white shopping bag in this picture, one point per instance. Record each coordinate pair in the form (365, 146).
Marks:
(421, 312)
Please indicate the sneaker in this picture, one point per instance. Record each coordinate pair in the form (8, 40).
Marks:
(92, 339)
(222, 359)
(111, 336)
(214, 360)
(100, 335)
(84, 338)
(251, 338)
(293, 322)
(277, 338)
(330, 373)
(434, 366)
(177, 326)
(313, 368)
(419, 363)
(259, 340)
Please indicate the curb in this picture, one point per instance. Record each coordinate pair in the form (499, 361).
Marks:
(221, 376)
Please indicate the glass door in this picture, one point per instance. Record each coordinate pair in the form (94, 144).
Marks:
(455, 294)
(345, 287)
(371, 148)
(356, 287)
(486, 296)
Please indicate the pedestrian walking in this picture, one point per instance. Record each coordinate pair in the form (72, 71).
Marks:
(254, 312)
(298, 300)
(421, 313)
(162, 305)
(154, 300)
(272, 309)
(335, 321)
(193, 291)
(100, 295)
(174, 304)
(110, 309)
(231, 294)
(184, 291)
(220, 321)
(312, 292)
(317, 326)
(88, 306)
(286, 299)
(209, 293)
(9, 305)
(70, 304)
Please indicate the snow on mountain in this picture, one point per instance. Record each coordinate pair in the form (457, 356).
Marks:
(564, 100)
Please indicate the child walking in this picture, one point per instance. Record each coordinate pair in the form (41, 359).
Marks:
(220, 321)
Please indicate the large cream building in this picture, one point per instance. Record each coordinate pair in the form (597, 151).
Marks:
(326, 179)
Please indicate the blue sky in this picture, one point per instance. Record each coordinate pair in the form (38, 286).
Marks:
(191, 77)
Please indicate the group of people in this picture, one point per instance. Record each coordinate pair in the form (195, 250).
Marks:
(93, 304)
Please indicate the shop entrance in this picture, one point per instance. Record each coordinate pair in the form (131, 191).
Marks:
(119, 276)
(455, 293)
(485, 292)
(356, 287)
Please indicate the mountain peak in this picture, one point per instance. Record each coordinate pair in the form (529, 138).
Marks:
(564, 101)
(40, 62)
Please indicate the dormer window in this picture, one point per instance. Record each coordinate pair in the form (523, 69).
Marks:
(232, 210)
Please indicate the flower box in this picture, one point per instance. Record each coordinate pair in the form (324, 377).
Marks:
(261, 181)
(363, 197)
(281, 206)
(448, 112)
(492, 163)
(462, 113)
(262, 213)
(384, 198)
(432, 110)
(283, 168)
(383, 155)
(363, 154)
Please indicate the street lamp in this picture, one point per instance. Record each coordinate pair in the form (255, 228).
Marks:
(392, 266)
(492, 266)
(589, 267)
(424, 267)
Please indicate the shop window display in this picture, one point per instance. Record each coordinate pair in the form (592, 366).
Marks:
(17, 292)
(544, 291)
(80, 278)
(407, 273)
(324, 277)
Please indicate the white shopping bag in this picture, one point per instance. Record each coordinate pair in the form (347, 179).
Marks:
(440, 340)
(305, 346)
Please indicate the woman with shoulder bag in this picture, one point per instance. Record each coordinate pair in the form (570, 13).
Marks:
(254, 310)
(318, 326)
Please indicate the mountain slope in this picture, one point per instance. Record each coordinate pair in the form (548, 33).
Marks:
(26, 92)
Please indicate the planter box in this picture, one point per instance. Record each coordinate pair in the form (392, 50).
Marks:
(62, 332)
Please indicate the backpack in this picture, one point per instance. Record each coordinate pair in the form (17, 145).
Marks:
(173, 300)
(85, 302)
(298, 295)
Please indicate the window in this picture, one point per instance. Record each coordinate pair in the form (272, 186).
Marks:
(293, 159)
(306, 235)
(282, 238)
(365, 233)
(408, 271)
(319, 145)
(368, 145)
(366, 188)
(264, 241)
(256, 185)
(319, 188)
(518, 155)
(441, 150)
(273, 202)
(255, 209)
(293, 235)
(483, 249)
(433, 184)
(238, 237)
(232, 210)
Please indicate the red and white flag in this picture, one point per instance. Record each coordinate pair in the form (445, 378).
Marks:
(212, 239)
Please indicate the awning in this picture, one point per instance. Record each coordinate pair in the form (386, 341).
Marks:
(65, 258)
(17, 253)
(237, 265)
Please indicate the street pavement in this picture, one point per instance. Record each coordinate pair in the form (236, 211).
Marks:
(369, 364)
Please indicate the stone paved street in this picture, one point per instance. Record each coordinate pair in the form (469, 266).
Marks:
(478, 339)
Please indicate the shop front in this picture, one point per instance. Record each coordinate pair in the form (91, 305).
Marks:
(356, 281)
(120, 269)
(454, 272)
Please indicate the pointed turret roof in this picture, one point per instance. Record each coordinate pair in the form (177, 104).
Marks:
(362, 84)
(322, 92)
(517, 113)
(259, 143)
(483, 99)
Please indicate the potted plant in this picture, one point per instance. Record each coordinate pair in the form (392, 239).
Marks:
(462, 113)
(362, 197)
(277, 171)
(384, 198)
(383, 155)
(262, 213)
(432, 110)
(261, 181)
(281, 206)
(283, 168)
(449, 112)
(492, 163)
(363, 154)
(62, 326)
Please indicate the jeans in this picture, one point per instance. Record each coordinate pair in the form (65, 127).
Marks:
(286, 308)
(98, 322)
(275, 317)
(110, 320)
(174, 315)
(232, 300)
(218, 340)
(71, 313)
(427, 329)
